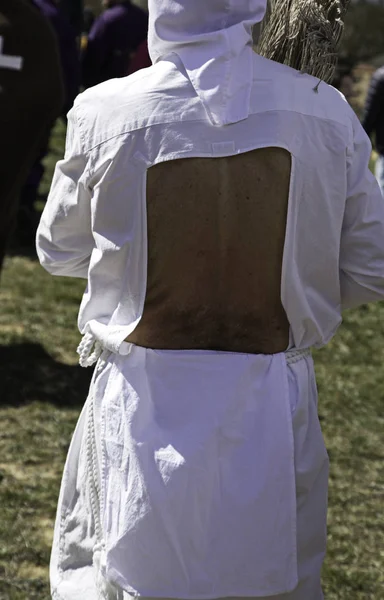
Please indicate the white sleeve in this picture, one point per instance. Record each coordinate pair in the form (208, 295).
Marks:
(362, 240)
(64, 237)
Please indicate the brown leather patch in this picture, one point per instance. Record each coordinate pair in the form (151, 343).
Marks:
(216, 231)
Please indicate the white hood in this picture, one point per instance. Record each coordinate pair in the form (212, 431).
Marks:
(213, 39)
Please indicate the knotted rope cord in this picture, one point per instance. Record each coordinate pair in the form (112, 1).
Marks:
(105, 589)
(86, 358)
(304, 34)
(94, 488)
(293, 356)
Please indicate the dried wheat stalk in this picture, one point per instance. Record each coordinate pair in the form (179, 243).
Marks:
(304, 34)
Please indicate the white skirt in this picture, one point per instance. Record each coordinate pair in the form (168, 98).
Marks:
(194, 475)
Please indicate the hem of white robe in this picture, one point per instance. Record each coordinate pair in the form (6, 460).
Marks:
(69, 590)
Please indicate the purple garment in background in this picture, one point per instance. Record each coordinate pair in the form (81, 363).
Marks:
(70, 72)
(115, 35)
(68, 49)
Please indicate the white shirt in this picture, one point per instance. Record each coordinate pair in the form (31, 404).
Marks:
(94, 223)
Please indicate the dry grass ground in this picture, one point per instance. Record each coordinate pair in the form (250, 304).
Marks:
(42, 391)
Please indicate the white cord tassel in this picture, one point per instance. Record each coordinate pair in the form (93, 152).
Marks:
(84, 350)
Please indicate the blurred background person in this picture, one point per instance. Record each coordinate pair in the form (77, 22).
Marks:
(113, 40)
(74, 12)
(68, 48)
(87, 24)
(344, 79)
(373, 120)
(31, 97)
(69, 65)
(88, 20)
(141, 58)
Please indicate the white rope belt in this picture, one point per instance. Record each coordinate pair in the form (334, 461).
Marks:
(87, 357)
(293, 356)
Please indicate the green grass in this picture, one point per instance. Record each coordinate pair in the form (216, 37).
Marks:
(42, 390)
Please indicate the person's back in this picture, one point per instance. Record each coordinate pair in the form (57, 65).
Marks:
(208, 258)
(223, 214)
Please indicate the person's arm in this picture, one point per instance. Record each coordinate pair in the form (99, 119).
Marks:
(362, 241)
(374, 103)
(64, 237)
(31, 97)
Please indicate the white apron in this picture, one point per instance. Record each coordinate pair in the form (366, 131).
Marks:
(208, 479)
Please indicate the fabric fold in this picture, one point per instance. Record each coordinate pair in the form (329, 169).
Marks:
(195, 493)
(214, 42)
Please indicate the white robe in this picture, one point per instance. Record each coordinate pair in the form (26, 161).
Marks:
(207, 469)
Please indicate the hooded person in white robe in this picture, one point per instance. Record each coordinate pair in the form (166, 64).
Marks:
(220, 207)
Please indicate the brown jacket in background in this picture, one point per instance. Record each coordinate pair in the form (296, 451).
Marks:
(30, 99)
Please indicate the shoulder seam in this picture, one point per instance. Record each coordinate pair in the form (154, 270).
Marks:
(142, 127)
